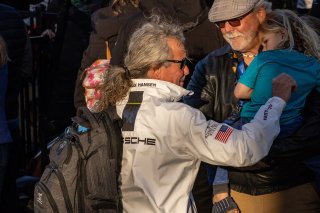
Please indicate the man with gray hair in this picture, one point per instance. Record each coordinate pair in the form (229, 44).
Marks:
(276, 183)
(164, 140)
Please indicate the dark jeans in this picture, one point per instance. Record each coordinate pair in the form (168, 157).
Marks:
(8, 191)
(4, 156)
(314, 165)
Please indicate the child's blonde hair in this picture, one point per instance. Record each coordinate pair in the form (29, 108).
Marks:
(300, 36)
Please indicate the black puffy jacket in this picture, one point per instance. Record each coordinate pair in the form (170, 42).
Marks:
(105, 25)
(213, 83)
(201, 39)
(202, 36)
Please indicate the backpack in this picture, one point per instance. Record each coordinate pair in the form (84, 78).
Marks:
(84, 167)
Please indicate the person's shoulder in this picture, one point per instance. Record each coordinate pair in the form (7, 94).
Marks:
(282, 53)
(273, 56)
(268, 53)
(101, 13)
(183, 11)
(287, 56)
(5, 7)
(106, 23)
(107, 12)
(7, 11)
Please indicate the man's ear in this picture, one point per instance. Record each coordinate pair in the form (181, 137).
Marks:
(153, 73)
(261, 14)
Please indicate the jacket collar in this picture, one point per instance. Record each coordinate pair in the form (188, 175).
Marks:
(160, 89)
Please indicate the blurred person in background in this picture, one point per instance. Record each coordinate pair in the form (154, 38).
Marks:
(5, 136)
(13, 31)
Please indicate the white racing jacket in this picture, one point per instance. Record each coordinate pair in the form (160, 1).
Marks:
(165, 140)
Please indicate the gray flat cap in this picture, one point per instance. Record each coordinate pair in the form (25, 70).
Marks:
(222, 10)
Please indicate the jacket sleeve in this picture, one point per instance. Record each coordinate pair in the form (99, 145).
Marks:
(208, 82)
(220, 144)
(197, 84)
(305, 142)
(204, 92)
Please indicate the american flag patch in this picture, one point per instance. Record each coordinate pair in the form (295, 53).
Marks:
(223, 133)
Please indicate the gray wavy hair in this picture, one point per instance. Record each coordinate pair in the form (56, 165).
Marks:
(147, 48)
(299, 36)
(3, 52)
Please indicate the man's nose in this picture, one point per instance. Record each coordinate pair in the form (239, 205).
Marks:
(228, 27)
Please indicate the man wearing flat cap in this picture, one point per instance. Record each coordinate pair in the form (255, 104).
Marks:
(281, 182)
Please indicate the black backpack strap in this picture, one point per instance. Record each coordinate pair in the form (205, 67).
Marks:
(86, 118)
(112, 112)
(116, 144)
(112, 124)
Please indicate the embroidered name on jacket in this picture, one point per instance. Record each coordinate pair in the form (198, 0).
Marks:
(210, 129)
(138, 140)
(147, 85)
(266, 112)
(144, 85)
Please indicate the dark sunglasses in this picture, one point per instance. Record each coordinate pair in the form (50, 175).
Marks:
(182, 62)
(235, 22)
